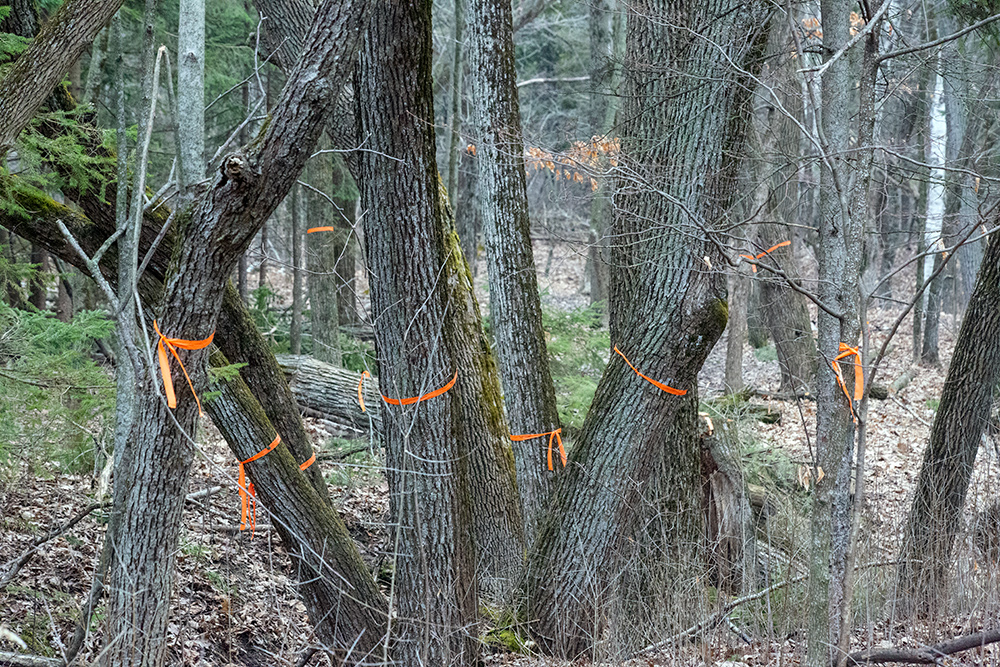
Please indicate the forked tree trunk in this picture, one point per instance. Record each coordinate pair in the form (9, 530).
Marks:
(966, 400)
(215, 230)
(515, 309)
(667, 311)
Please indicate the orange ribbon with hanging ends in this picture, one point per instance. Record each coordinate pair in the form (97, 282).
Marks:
(248, 515)
(552, 434)
(859, 378)
(172, 344)
(319, 229)
(361, 399)
(766, 252)
(422, 397)
(308, 462)
(658, 385)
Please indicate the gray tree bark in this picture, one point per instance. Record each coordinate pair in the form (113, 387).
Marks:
(515, 308)
(215, 230)
(408, 249)
(191, 94)
(966, 400)
(847, 98)
(667, 310)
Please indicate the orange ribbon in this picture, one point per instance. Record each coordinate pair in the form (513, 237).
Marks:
(769, 250)
(172, 344)
(859, 378)
(658, 385)
(248, 515)
(319, 229)
(551, 434)
(422, 397)
(311, 460)
(361, 399)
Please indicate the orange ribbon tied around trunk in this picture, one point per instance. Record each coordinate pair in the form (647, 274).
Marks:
(552, 435)
(319, 229)
(766, 252)
(417, 399)
(658, 385)
(248, 514)
(859, 378)
(308, 462)
(361, 398)
(172, 344)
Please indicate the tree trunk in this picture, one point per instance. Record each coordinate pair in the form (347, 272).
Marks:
(966, 401)
(515, 309)
(191, 94)
(295, 329)
(35, 73)
(216, 229)
(37, 289)
(407, 249)
(667, 311)
(736, 338)
(844, 205)
(324, 249)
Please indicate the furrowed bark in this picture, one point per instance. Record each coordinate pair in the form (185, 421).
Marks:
(668, 310)
(515, 308)
(31, 78)
(407, 251)
(939, 499)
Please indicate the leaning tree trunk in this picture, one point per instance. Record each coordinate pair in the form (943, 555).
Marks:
(235, 413)
(38, 70)
(966, 400)
(407, 248)
(212, 233)
(667, 309)
(515, 309)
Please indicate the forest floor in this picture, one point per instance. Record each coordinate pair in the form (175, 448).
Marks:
(235, 600)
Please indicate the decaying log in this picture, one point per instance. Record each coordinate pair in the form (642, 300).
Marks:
(926, 655)
(331, 393)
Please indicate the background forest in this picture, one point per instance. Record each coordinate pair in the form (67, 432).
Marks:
(361, 332)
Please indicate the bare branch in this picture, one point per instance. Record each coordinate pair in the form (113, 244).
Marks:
(928, 654)
(937, 42)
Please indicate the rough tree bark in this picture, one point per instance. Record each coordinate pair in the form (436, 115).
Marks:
(215, 230)
(408, 252)
(935, 515)
(667, 306)
(515, 309)
(36, 72)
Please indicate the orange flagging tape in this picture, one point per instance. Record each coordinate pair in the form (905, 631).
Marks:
(319, 229)
(248, 516)
(172, 344)
(859, 378)
(361, 399)
(658, 385)
(422, 397)
(766, 252)
(308, 462)
(551, 434)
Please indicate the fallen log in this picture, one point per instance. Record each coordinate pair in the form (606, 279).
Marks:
(926, 655)
(327, 392)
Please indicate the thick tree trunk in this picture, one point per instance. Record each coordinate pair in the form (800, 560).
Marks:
(515, 309)
(667, 310)
(966, 400)
(407, 248)
(33, 76)
(216, 229)
(332, 393)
